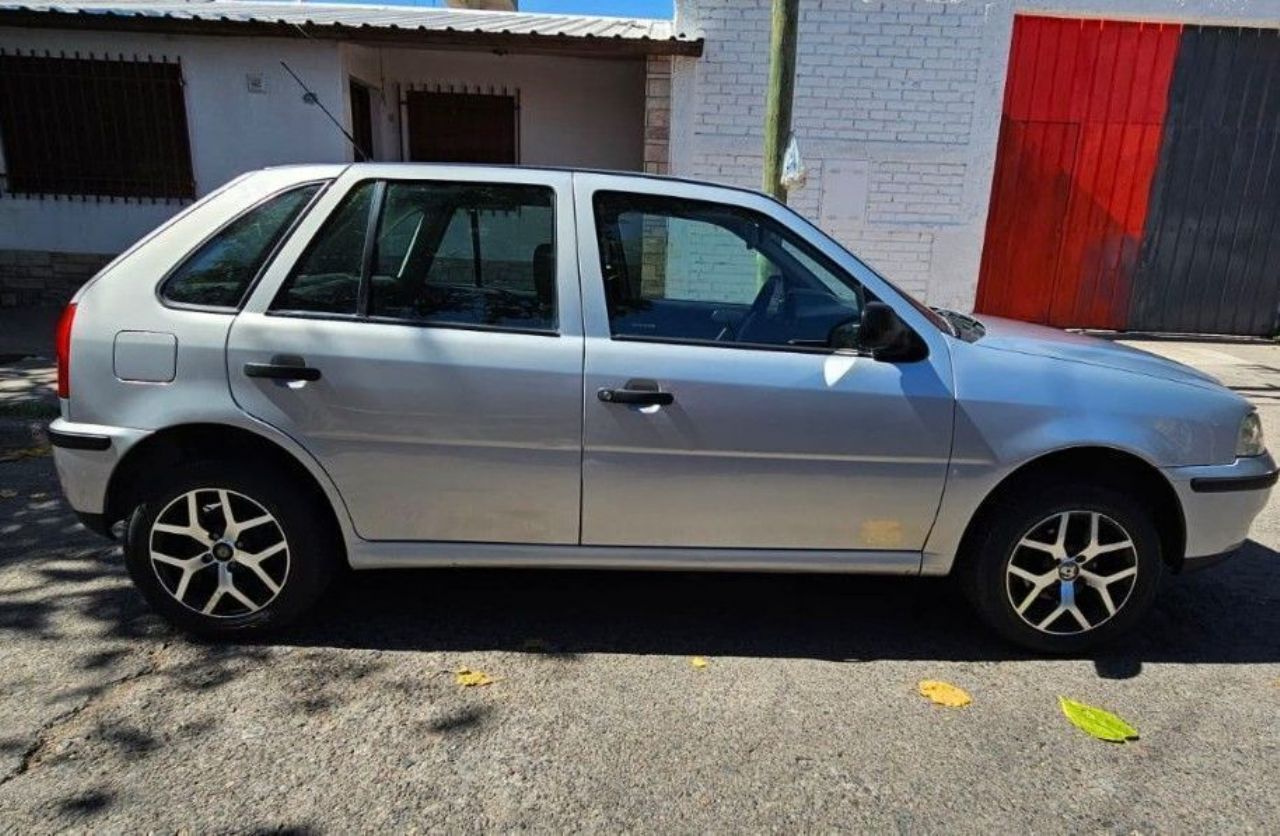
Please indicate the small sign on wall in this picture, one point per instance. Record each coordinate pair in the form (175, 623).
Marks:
(844, 191)
(255, 83)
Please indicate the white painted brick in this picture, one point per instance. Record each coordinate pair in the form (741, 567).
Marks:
(909, 87)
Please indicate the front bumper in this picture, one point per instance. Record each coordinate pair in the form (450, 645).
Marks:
(1219, 502)
(85, 456)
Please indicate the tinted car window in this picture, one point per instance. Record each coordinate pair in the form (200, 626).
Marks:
(466, 254)
(690, 270)
(217, 274)
(327, 277)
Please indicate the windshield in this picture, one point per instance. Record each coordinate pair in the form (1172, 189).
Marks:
(938, 320)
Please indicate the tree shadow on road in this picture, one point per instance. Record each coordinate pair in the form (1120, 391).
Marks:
(1225, 615)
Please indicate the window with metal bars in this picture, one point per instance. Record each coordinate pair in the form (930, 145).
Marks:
(94, 127)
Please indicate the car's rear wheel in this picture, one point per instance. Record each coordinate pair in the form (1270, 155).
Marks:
(1063, 567)
(230, 549)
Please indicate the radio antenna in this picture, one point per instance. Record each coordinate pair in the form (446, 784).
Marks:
(310, 97)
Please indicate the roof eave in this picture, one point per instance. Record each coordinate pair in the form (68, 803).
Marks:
(402, 36)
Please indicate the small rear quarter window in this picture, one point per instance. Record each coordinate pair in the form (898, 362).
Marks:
(217, 274)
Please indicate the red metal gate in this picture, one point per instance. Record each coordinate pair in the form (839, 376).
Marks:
(1079, 142)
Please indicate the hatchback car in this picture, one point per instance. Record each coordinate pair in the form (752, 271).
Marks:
(414, 365)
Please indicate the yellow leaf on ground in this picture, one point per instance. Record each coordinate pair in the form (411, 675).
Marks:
(944, 693)
(25, 453)
(1101, 724)
(468, 678)
(699, 662)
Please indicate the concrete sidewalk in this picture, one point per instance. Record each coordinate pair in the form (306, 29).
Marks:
(28, 389)
(1244, 364)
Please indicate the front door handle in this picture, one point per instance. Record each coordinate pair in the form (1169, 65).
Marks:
(637, 392)
(296, 370)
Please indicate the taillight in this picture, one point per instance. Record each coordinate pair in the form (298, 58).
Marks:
(62, 346)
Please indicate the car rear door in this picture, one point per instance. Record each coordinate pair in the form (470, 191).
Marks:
(420, 334)
(716, 415)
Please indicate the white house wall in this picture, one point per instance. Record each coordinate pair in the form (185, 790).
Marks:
(232, 130)
(897, 109)
(573, 111)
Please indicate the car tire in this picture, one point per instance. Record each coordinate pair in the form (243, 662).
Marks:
(1017, 568)
(251, 573)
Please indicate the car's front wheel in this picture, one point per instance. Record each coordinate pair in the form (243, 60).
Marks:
(1063, 567)
(230, 549)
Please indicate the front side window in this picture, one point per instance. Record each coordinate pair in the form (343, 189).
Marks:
(217, 274)
(690, 270)
(466, 254)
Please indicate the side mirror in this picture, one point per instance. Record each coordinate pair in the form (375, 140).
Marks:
(885, 336)
(844, 335)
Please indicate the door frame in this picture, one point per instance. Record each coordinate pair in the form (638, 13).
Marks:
(354, 83)
(621, 448)
(256, 310)
(568, 286)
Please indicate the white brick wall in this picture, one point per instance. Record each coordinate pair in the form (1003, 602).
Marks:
(909, 89)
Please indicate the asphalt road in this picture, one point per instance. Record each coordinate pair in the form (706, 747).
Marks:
(805, 718)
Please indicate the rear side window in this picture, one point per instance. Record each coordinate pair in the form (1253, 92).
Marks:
(465, 254)
(327, 277)
(429, 253)
(217, 274)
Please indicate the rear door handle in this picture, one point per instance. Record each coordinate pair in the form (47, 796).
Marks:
(641, 393)
(282, 370)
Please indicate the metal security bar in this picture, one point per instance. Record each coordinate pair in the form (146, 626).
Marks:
(494, 132)
(94, 127)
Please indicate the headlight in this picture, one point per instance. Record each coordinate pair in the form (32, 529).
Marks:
(1249, 442)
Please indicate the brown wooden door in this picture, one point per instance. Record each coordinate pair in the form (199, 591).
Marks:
(461, 128)
(361, 121)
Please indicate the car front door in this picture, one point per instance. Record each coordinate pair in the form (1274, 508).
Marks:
(716, 414)
(422, 338)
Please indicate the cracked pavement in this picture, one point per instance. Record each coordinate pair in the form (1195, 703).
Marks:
(806, 717)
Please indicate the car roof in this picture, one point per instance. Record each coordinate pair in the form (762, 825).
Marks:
(498, 169)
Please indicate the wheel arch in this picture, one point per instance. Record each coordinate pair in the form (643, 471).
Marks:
(182, 443)
(1123, 471)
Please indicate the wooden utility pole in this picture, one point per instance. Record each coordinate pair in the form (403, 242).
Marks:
(777, 107)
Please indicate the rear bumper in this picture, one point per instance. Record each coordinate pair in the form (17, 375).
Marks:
(1219, 503)
(85, 456)
(78, 440)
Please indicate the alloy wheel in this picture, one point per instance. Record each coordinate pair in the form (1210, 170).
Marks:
(219, 553)
(1071, 572)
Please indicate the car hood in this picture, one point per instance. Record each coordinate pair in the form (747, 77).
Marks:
(1025, 338)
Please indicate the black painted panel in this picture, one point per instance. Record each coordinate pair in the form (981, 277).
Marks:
(1211, 247)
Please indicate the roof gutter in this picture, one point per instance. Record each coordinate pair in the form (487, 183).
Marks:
(500, 42)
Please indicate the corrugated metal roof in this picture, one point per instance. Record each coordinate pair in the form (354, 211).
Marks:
(358, 16)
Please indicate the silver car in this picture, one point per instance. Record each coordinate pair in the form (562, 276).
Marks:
(417, 365)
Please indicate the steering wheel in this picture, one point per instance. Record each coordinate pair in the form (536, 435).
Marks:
(756, 326)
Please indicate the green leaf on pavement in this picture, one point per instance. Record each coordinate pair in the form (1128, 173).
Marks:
(1101, 724)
